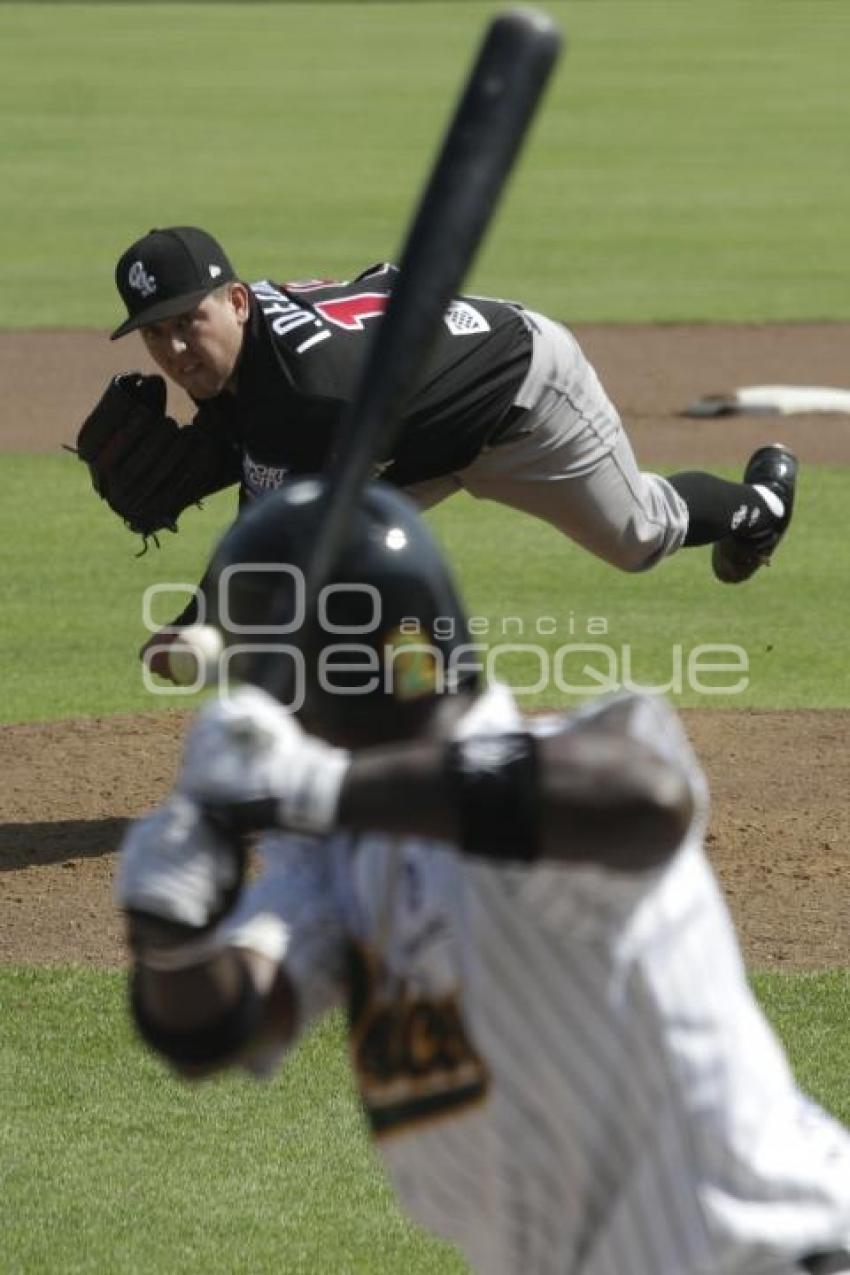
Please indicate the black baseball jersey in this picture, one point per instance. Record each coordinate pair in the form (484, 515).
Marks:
(303, 351)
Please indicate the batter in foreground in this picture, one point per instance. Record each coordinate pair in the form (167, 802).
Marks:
(551, 1029)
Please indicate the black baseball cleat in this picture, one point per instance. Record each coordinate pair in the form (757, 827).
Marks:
(738, 556)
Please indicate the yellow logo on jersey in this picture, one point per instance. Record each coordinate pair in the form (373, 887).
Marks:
(412, 1055)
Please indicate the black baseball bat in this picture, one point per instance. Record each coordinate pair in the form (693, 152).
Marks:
(498, 101)
(483, 139)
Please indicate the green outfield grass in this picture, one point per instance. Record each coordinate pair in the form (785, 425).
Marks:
(73, 596)
(690, 162)
(137, 1172)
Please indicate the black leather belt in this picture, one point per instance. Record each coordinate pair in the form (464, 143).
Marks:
(510, 422)
(837, 1263)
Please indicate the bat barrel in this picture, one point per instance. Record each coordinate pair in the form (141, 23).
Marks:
(506, 82)
(502, 92)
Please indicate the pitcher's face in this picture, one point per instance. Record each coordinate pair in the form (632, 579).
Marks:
(199, 350)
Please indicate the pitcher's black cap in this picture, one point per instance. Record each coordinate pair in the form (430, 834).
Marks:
(168, 272)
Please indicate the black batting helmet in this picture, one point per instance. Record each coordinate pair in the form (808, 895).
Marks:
(387, 635)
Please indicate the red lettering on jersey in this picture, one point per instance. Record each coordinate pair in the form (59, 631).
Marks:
(310, 285)
(350, 312)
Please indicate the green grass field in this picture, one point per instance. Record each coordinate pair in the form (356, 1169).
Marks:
(690, 161)
(109, 1164)
(73, 605)
(690, 164)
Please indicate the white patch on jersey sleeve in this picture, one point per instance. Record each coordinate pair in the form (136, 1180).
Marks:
(492, 712)
(583, 899)
(462, 319)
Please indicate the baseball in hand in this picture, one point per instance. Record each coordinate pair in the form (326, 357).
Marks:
(194, 655)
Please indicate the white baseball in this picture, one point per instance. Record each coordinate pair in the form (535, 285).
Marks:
(194, 655)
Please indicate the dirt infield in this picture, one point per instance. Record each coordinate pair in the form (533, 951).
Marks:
(779, 824)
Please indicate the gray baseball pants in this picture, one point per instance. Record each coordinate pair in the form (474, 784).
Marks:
(569, 462)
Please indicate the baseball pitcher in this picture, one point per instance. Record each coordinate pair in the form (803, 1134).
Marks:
(509, 409)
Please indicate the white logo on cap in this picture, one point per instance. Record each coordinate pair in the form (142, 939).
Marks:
(138, 278)
(215, 271)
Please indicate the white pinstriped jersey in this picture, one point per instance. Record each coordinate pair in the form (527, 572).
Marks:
(564, 1068)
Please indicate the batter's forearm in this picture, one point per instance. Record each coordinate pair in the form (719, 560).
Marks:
(597, 799)
(404, 791)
